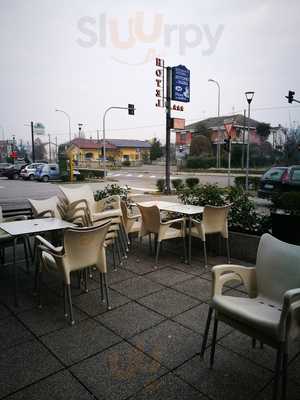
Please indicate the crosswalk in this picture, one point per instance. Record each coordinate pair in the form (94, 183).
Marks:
(116, 175)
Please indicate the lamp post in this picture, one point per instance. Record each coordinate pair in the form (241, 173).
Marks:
(249, 97)
(131, 110)
(79, 129)
(3, 135)
(218, 142)
(69, 119)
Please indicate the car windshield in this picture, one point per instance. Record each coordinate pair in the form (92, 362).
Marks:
(274, 174)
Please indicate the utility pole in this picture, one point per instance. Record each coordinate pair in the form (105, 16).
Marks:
(243, 146)
(49, 147)
(249, 97)
(32, 141)
(98, 141)
(168, 128)
(56, 151)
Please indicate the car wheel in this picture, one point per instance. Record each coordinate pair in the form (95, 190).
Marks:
(31, 177)
(45, 178)
(15, 176)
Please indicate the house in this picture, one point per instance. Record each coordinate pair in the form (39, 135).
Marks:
(217, 132)
(116, 149)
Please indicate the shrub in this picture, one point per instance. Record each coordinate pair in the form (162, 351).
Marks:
(254, 181)
(289, 202)
(200, 162)
(202, 195)
(91, 173)
(160, 184)
(191, 182)
(126, 163)
(111, 190)
(177, 184)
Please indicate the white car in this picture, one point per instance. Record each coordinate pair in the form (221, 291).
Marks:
(29, 171)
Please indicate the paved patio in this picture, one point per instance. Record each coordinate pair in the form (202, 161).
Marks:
(146, 347)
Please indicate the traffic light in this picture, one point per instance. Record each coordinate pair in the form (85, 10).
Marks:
(290, 96)
(131, 109)
(226, 144)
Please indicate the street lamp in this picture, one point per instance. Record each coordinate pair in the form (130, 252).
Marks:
(69, 119)
(218, 142)
(3, 135)
(249, 97)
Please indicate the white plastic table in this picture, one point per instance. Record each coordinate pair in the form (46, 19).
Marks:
(22, 228)
(184, 209)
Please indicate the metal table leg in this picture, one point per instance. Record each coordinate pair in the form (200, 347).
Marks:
(15, 273)
(190, 240)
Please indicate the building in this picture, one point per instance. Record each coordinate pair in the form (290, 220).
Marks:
(217, 131)
(117, 150)
(6, 147)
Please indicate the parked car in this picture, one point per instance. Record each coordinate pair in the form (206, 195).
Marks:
(278, 180)
(14, 171)
(46, 172)
(29, 171)
(3, 167)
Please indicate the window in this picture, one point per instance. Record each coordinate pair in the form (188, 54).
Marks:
(53, 168)
(296, 175)
(274, 174)
(89, 156)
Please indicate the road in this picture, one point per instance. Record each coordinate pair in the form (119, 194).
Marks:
(143, 179)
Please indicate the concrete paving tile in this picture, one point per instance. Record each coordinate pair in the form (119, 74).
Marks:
(197, 287)
(168, 387)
(168, 302)
(48, 319)
(60, 386)
(129, 319)
(169, 343)
(24, 364)
(118, 372)
(74, 343)
(91, 303)
(136, 287)
(4, 311)
(12, 332)
(168, 276)
(231, 378)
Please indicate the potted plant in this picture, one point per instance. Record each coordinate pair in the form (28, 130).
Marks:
(285, 217)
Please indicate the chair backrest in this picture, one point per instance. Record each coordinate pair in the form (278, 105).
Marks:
(150, 218)
(84, 246)
(277, 267)
(82, 192)
(215, 219)
(124, 212)
(40, 206)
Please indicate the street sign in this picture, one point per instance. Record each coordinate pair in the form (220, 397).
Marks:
(181, 83)
(177, 123)
(39, 128)
(228, 125)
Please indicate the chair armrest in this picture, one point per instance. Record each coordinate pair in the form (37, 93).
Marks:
(173, 221)
(227, 272)
(48, 246)
(16, 218)
(44, 213)
(291, 303)
(134, 217)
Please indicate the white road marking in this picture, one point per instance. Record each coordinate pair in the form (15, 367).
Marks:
(140, 176)
(144, 189)
(152, 176)
(129, 175)
(117, 174)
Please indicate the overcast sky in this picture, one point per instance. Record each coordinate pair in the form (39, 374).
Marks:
(83, 56)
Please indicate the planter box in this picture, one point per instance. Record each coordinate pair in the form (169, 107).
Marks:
(286, 227)
(242, 246)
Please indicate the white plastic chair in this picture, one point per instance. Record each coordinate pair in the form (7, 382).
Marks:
(271, 314)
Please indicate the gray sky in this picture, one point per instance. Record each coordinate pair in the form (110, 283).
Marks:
(53, 56)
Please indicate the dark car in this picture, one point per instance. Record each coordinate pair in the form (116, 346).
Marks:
(13, 172)
(3, 167)
(279, 179)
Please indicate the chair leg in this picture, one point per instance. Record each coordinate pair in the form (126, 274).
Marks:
(278, 365)
(106, 291)
(284, 375)
(228, 251)
(150, 243)
(157, 253)
(15, 273)
(122, 243)
(65, 300)
(70, 304)
(207, 326)
(85, 275)
(118, 251)
(101, 286)
(253, 343)
(213, 345)
(184, 249)
(205, 254)
(26, 255)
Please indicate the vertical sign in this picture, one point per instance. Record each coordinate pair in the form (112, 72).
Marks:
(160, 82)
(181, 84)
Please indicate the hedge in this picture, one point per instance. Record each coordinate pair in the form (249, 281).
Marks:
(253, 181)
(199, 162)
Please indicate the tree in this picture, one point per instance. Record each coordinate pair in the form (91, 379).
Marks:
(263, 130)
(201, 129)
(200, 145)
(156, 150)
(39, 149)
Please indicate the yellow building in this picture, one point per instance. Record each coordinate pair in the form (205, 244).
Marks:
(116, 149)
